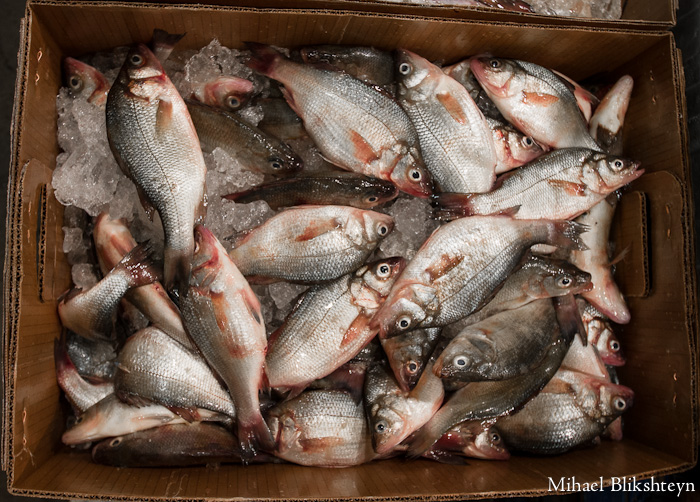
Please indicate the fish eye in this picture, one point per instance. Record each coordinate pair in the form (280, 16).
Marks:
(528, 141)
(495, 438)
(372, 198)
(403, 323)
(564, 281)
(614, 345)
(136, 60)
(233, 102)
(383, 270)
(75, 83)
(276, 164)
(461, 361)
(620, 404)
(412, 367)
(115, 442)
(380, 426)
(415, 174)
(405, 68)
(382, 230)
(494, 63)
(618, 164)
(79, 419)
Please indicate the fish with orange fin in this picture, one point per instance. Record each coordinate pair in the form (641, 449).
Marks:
(354, 126)
(85, 81)
(154, 142)
(223, 317)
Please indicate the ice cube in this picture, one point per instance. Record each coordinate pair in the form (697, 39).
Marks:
(84, 275)
(283, 293)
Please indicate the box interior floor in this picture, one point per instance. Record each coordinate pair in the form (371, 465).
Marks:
(654, 219)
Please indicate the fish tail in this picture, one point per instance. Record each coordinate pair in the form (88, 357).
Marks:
(178, 267)
(140, 265)
(254, 436)
(162, 40)
(567, 234)
(263, 58)
(450, 206)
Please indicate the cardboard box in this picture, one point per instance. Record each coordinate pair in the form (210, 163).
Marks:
(655, 219)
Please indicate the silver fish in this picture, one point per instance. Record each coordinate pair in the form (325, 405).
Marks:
(513, 148)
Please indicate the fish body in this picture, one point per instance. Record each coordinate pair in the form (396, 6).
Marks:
(321, 428)
(354, 126)
(91, 313)
(513, 148)
(606, 122)
(458, 268)
(85, 81)
(535, 100)
(475, 439)
(408, 354)
(559, 185)
(311, 243)
(223, 317)
(329, 326)
(455, 139)
(371, 66)
(154, 367)
(251, 147)
(343, 189)
(226, 92)
(154, 142)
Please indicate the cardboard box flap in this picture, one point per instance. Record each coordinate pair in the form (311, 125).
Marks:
(629, 233)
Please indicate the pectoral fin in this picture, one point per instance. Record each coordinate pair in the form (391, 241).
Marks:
(452, 107)
(539, 98)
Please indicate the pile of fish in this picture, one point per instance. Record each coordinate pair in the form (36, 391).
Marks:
(299, 339)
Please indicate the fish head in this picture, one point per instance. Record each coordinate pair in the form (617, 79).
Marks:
(142, 73)
(487, 444)
(410, 174)
(380, 275)
(284, 161)
(614, 400)
(416, 76)
(89, 426)
(465, 356)
(285, 431)
(609, 347)
(207, 257)
(376, 225)
(522, 149)
(404, 309)
(377, 192)
(114, 451)
(606, 173)
(496, 75)
(557, 278)
(387, 426)
(227, 92)
(85, 81)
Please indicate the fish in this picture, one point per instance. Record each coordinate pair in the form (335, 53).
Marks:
(606, 123)
(455, 139)
(80, 393)
(463, 74)
(162, 43)
(112, 241)
(310, 244)
(226, 92)
(91, 313)
(252, 148)
(85, 81)
(485, 400)
(535, 100)
(342, 189)
(353, 125)
(321, 428)
(328, 326)
(459, 267)
(223, 317)
(605, 296)
(474, 438)
(171, 445)
(394, 414)
(562, 184)
(538, 277)
(513, 148)
(280, 120)
(408, 354)
(502, 346)
(152, 367)
(573, 409)
(112, 417)
(372, 66)
(94, 359)
(601, 335)
(154, 142)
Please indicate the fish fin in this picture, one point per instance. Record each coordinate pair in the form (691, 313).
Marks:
(139, 265)
(241, 238)
(162, 43)
(145, 203)
(567, 234)
(621, 255)
(443, 266)
(295, 391)
(539, 98)
(363, 150)
(357, 328)
(502, 178)
(316, 229)
(164, 115)
(569, 318)
(571, 188)
(178, 266)
(445, 457)
(263, 58)
(253, 305)
(319, 445)
(289, 98)
(253, 437)
(200, 213)
(449, 206)
(452, 107)
(558, 386)
(132, 399)
(614, 430)
(189, 414)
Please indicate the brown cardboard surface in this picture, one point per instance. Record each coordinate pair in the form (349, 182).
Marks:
(660, 343)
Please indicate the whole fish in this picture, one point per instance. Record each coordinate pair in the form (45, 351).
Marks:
(535, 100)
(226, 92)
(92, 358)
(321, 428)
(606, 122)
(80, 393)
(154, 367)
(539, 277)
(502, 346)
(459, 267)
(91, 313)
(455, 139)
(85, 81)
(329, 325)
(152, 137)
(408, 354)
(605, 296)
(354, 126)
(223, 317)
(476, 439)
(601, 335)
(112, 417)
(370, 65)
(484, 400)
(513, 148)
(571, 410)
(251, 147)
(113, 240)
(344, 189)
(559, 185)
(393, 414)
(171, 445)
(280, 120)
(310, 243)
(463, 74)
